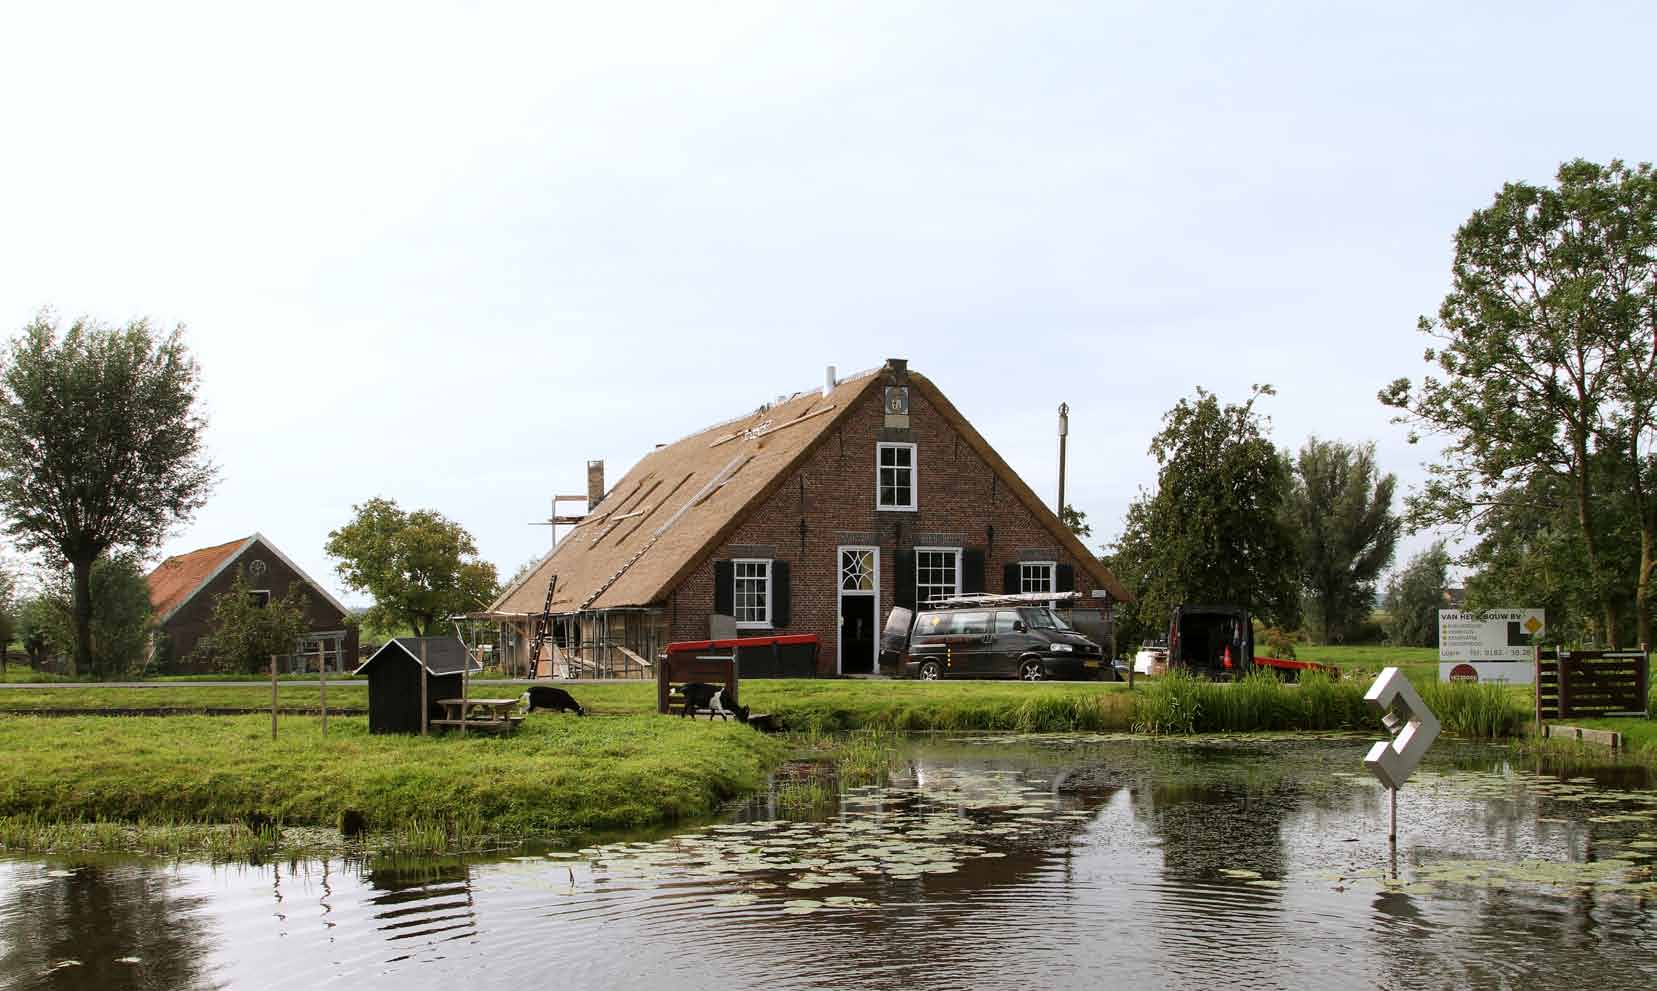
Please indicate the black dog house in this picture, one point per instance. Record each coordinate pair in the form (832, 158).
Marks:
(394, 681)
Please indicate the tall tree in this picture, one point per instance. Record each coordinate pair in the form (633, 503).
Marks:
(121, 626)
(245, 632)
(100, 446)
(1215, 530)
(1341, 512)
(1414, 597)
(1545, 347)
(420, 567)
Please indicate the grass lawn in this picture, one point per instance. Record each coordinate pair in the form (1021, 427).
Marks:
(1365, 661)
(811, 705)
(556, 775)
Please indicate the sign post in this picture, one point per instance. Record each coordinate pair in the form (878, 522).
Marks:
(1413, 728)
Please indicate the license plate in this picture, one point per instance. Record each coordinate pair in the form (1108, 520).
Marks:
(1091, 664)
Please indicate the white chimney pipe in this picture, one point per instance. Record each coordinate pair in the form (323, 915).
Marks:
(828, 381)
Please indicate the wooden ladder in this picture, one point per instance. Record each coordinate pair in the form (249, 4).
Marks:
(543, 628)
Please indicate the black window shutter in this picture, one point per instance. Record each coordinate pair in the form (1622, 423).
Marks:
(903, 593)
(724, 588)
(972, 571)
(1010, 578)
(781, 611)
(1065, 579)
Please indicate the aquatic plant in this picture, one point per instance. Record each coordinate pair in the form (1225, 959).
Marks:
(1480, 710)
(1170, 704)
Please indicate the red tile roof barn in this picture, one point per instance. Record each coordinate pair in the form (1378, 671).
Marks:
(174, 579)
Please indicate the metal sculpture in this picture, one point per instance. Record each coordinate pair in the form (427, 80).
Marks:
(1413, 728)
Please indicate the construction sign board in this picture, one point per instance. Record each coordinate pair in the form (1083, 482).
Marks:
(1493, 635)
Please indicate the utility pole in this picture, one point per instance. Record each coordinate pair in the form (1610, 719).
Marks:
(1064, 431)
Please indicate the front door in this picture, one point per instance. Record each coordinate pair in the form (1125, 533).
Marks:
(859, 598)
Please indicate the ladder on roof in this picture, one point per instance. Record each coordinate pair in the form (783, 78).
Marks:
(543, 627)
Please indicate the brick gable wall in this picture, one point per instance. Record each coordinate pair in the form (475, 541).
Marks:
(961, 502)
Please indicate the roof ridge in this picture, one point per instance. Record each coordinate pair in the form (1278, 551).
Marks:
(790, 397)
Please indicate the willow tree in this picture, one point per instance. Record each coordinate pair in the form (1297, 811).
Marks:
(1546, 367)
(100, 446)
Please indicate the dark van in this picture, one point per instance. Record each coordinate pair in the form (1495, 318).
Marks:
(1211, 641)
(1015, 639)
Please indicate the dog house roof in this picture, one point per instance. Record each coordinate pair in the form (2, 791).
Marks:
(444, 655)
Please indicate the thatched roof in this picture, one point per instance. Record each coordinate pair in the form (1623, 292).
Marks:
(683, 499)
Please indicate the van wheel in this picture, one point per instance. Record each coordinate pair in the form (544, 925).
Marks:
(930, 671)
(1030, 671)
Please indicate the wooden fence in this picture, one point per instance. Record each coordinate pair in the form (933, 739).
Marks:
(1584, 684)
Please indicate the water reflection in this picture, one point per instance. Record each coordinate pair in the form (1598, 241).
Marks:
(993, 863)
(100, 926)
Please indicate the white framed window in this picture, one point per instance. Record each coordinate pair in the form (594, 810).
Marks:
(1036, 576)
(259, 597)
(937, 573)
(895, 476)
(751, 596)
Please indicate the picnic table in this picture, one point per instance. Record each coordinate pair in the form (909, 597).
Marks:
(490, 715)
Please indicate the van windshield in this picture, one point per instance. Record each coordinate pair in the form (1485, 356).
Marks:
(1042, 619)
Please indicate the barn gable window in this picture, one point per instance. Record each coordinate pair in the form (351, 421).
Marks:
(895, 476)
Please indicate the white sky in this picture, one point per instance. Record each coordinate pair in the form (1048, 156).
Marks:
(447, 254)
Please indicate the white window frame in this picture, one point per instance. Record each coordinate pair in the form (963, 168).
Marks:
(921, 600)
(840, 605)
(256, 592)
(736, 583)
(1052, 575)
(914, 477)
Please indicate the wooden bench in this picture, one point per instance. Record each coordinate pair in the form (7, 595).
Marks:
(674, 672)
(488, 715)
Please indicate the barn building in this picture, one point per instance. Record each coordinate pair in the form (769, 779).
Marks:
(814, 514)
(394, 680)
(184, 589)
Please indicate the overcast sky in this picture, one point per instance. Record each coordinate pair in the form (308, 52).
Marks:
(446, 254)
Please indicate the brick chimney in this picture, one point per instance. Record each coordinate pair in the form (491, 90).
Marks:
(595, 484)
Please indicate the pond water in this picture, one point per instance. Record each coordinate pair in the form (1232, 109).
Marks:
(989, 862)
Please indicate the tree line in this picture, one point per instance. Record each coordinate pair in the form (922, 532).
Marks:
(102, 456)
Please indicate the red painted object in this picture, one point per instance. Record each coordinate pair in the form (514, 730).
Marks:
(793, 655)
(1285, 664)
(692, 646)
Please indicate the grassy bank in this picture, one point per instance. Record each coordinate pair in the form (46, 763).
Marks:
(557, 776)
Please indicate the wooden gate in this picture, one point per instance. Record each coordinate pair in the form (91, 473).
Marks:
(1585, 684)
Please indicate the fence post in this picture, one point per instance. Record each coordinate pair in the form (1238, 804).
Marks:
(1536, 686)
(425, 703)
(322, 672)
(1645, 678)
(273, 696)
(1562, 665)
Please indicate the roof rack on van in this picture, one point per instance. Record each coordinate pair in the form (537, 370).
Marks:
(1006, 599)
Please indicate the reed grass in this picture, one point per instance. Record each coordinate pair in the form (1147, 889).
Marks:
(1479, 710)
(1180, 703)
